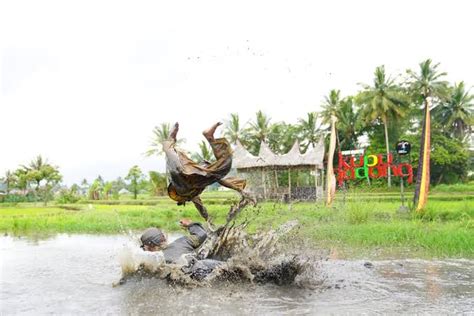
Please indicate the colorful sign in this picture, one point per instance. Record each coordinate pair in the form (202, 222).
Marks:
(370, 166)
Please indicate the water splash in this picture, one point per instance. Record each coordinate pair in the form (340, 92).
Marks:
(246, 258)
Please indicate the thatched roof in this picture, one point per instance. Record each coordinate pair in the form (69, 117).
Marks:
(242, 159)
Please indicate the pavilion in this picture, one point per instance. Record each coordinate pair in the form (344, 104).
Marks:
(291, 176)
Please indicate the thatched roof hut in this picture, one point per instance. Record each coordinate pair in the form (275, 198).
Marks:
(293, 160)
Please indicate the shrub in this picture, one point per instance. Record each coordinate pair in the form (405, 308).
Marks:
(357, 214)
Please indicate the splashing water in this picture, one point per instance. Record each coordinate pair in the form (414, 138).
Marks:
(249, 258)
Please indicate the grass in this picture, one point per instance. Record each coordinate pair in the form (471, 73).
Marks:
(360, 226)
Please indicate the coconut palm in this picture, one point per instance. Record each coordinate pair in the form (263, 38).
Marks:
(309, 130)
(427, 84)
(348, 123)
(38, 170)
(9, 179)
(456, 114)
(205, 153)
(107, 189)
(282, 136)
(233, 129)
(383, 101)
(330, 106)
(260, 127)
(160, 134)
(258, 131)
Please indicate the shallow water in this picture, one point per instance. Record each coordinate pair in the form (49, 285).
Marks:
(74, 274)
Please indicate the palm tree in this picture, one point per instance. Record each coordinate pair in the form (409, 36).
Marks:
(233, 130)
(261, 126)
(94, 190)
(107, 189)
(348, 123)
(38, 170)
(331, 104)
(204, 154)
(282, 136)
(22, 180)
(309, 130)
(259, 131)
(160, 134)
(383, 101)
(456, 114)
(9, 179)
(34, 169)
(426, 85)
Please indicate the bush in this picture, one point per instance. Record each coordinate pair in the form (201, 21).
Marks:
(357, 214)
(67, 197)
(17, 198)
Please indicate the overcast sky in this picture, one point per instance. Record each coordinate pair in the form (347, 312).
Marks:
(83, 83)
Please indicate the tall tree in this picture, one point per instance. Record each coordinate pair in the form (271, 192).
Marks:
(348, 124)
(107, 189)
(94, 190)
(455, 115)
(282, 136)
(42, 174)
(22, 179)
(330, 106)
(385, 101)
(160, 134)
(258, 131)
(233, 129)
(9, 179)
(134, 176)
(309, 130)
(426, 86)
(205, 153)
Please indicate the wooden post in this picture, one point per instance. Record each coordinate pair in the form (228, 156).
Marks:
(264, 184)
(289, 184)
(316, 173)
(322, 179)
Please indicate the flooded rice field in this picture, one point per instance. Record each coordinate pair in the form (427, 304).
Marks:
(75, 274)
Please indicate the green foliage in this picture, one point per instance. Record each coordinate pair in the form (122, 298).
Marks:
(9, 180)
(257, 132)
(67, 196)
(233, 130)
(330, 106)
(95, 190)
(160, 134)
(456, 187)
(205, 153)
(281, 137)
(449, 157)
(309, 130)
(135, 176)
(357, 213)
(427, 82)
(39, 174)
(444, 229)
(158, 185)
(456, 115)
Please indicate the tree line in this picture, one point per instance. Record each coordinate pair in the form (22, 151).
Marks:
(388, 109)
